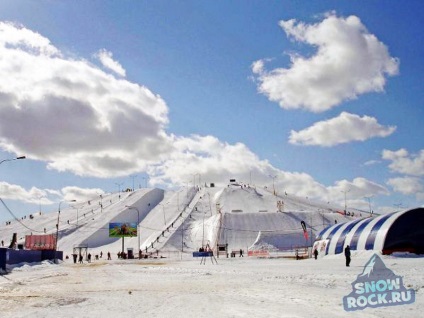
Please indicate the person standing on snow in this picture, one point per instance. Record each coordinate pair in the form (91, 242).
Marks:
(316, 253)
(347, 255)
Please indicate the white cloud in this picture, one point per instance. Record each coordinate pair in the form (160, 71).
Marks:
(17, 37)
(349, 61)
(218, 162)
(407, 185)
(73, 115)
(342, 129)
(106, 58)
(355, 190)
(16, 192)
(48, 196)
(81, 194)
(80, 119)
(371, 162)
(403, 162)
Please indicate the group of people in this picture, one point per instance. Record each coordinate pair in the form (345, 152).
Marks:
(346, 253)
(80, 258)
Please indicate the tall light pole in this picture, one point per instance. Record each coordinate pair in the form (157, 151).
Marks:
(138, 225)
(17, 158)
(369, 203)
(163, 209)
(199, 179)
(39, 202)
(119, 189)
(133, 177)
(145, 181)
(119, 186)
(101, 201)
(273, 182)
(57, 228)
(345, 191)
(75, 207)
(194, 179)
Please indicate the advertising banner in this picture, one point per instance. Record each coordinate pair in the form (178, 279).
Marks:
(40, 242)
(258, 253)
(122, 229)
(305, 232)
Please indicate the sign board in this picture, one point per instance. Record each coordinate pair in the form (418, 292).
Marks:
(40, 242)
(122, 229)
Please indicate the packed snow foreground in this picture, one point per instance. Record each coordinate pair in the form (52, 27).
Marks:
(171, 282)
(236, 287)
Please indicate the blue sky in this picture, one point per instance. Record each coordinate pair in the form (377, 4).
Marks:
(325, 95)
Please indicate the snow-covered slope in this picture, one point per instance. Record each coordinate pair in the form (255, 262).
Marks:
(184, 220)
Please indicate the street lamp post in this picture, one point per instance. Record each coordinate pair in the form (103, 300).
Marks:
(133, 177)
(119, 186)
(199, 179)
(119, 189)
(273, 183)
(163, 209)
(345, 191)
(57, 228)
(194, 179)
(78, 211)
(17, 158)
(145, 181)
(369, 203)
(39, 202)
(138, 225)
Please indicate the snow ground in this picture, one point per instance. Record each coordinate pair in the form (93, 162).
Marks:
(236, 287)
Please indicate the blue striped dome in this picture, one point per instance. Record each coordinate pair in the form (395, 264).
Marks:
(388, 233)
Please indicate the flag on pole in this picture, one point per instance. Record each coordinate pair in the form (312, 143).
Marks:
(305, 232)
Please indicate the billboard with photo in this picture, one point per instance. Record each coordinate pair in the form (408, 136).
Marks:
(119, 229)
(40, 242)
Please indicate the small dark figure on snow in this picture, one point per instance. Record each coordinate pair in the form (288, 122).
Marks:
(108, 256)
(81, 259)
(89, 257)
(316, 253)
(75, 258)
(241, 253)
(347, 255)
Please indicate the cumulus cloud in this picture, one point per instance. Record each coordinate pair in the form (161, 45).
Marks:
(78, 118)
(106, 58)
(80, 194)
(405, 163)
(342, 129)
(16, 192)
(48, 196)
(216, 161)
(212, 160)
(356, 190)
(407, 185)
(348, 61)
(73, 115)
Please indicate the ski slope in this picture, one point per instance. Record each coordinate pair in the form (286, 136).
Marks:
(182, 221)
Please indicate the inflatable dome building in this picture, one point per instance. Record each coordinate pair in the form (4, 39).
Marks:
(401, 231)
